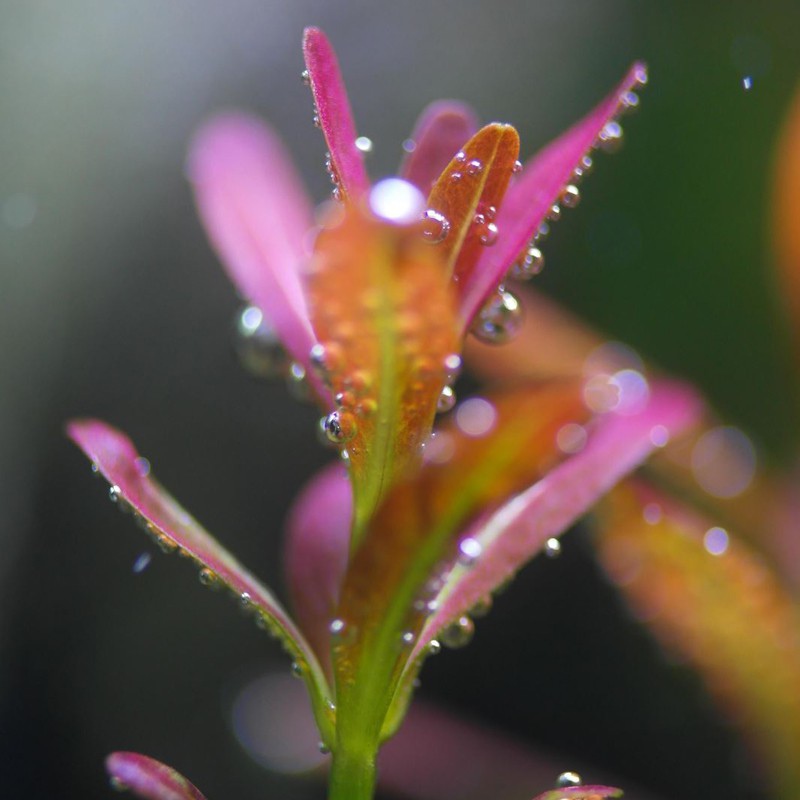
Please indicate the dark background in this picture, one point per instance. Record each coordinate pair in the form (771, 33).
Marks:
(112, 305)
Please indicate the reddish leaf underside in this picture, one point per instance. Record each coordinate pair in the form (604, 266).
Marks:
(149, 779)
(441, 131)
(541, 184)
(468, 193)
(725, 613)
(580, 793)
(116, 458)
(384, 315)
(332, 108)
(492, 449)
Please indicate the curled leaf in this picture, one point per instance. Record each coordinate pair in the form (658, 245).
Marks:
(132, 487)
(149, 779)
(384, 315)
(333, 112)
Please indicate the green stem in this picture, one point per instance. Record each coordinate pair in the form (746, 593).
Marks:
(352, 775)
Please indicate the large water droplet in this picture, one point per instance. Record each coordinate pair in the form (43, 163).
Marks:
(257, 345)
(567, 779)
(459, 633)
(531, 264)
(499, 320)
(571, 196)
(340, 426)
(435, 226)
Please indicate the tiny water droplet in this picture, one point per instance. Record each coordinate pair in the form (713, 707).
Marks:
(258, 347)
(297, 383)
(142, 562)
(435, 226)
(452, 368)
(316, 121)
(305, 76)
(542, 232)
(209, 578)
(460, 156)
(610, 139)
(246, 604)
(434, 647)
(567, 779)
(364, 144)
(459, 633)
(142, 466)
(554, 214)
(95, 469)
(324, 749)
(456, 176)
(297, 669)
(747, 83)
(474, 167)
(641, 75)
(446, 401)
(409, 145)
(407, 639)
(529, 265)
(340, 426)
(499, 320)
(165, 544)
(552, 547)
(482, 607)
(629, 101)
(571, 196)
(114, 493)
(469, 551)
(337, 628)
(517, 168)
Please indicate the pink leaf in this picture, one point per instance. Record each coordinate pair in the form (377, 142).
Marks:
(257, 216)
(442, 129)
(580, 793)
(316, 553)
(334, 113)
(116, 458)
(540, 185)
(148, 778)
(519, 529)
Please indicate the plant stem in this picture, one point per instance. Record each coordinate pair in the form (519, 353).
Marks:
(352, 775)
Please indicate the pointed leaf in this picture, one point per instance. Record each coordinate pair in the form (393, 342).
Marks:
(709, 598)
(334, 113)
(384, 314)
(491, 450)
(148, 778)
(441, 131)
(541, 185)
(316, 553)
(473, 183)
(616, 445)
(256, 214)
(116, 458)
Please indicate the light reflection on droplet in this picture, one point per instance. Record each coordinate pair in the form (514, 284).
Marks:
(747, 83)
(397, 201)
(142, 466)
(571, 438)
(659, 435)
(272, 721)
(409, 145)
(634, 391)
(364, 144)
(469, 551)
(716, 541)
(440, 448)
(724, 461)
(476, 417)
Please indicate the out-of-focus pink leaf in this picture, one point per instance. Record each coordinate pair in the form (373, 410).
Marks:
(712, 600)
(317, 548)
(334, 113)
(149, 779)
(442, 129)
(541, 184)
(517, 531)
(256, 214)
(116, 458)
(580, 793)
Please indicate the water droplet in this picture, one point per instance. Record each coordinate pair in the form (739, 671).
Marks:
(529, 265)
(474, 167)
(323, 748)
(114, 493)
(305, 76)
(517, 168)
(476, 417)
(435, 226)
(209, 578)
(409, 145)
(469, 551)
(633, 389)
(316, 121)
(629, 101)
(747, 83)
(142, 466)
(337, 628)
(364, 144)
(452, 368)
(265, 623)
(610, 139)
(716, 541)
(488, 234)
(340, 426)
(482, 607)
(296, 382)
(499, 320)
(297, 669)
(542, 232)
(397, 201)
(459, 633)
(571, 438)
(165, 544)
(142, 562)
(659, 435)
(446, 401)
(434, 647)
(407, 639)
(258, 347)
(571, 196)
(641, 75)
(456, 176)
(554, 214)
(552, 547)
(567, 779)
(246, 604)
(95, 469)
(460, 156)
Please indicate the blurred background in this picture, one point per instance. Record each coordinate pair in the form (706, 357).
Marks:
(112, 305)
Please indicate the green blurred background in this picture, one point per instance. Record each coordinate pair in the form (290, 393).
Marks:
(111, 304)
